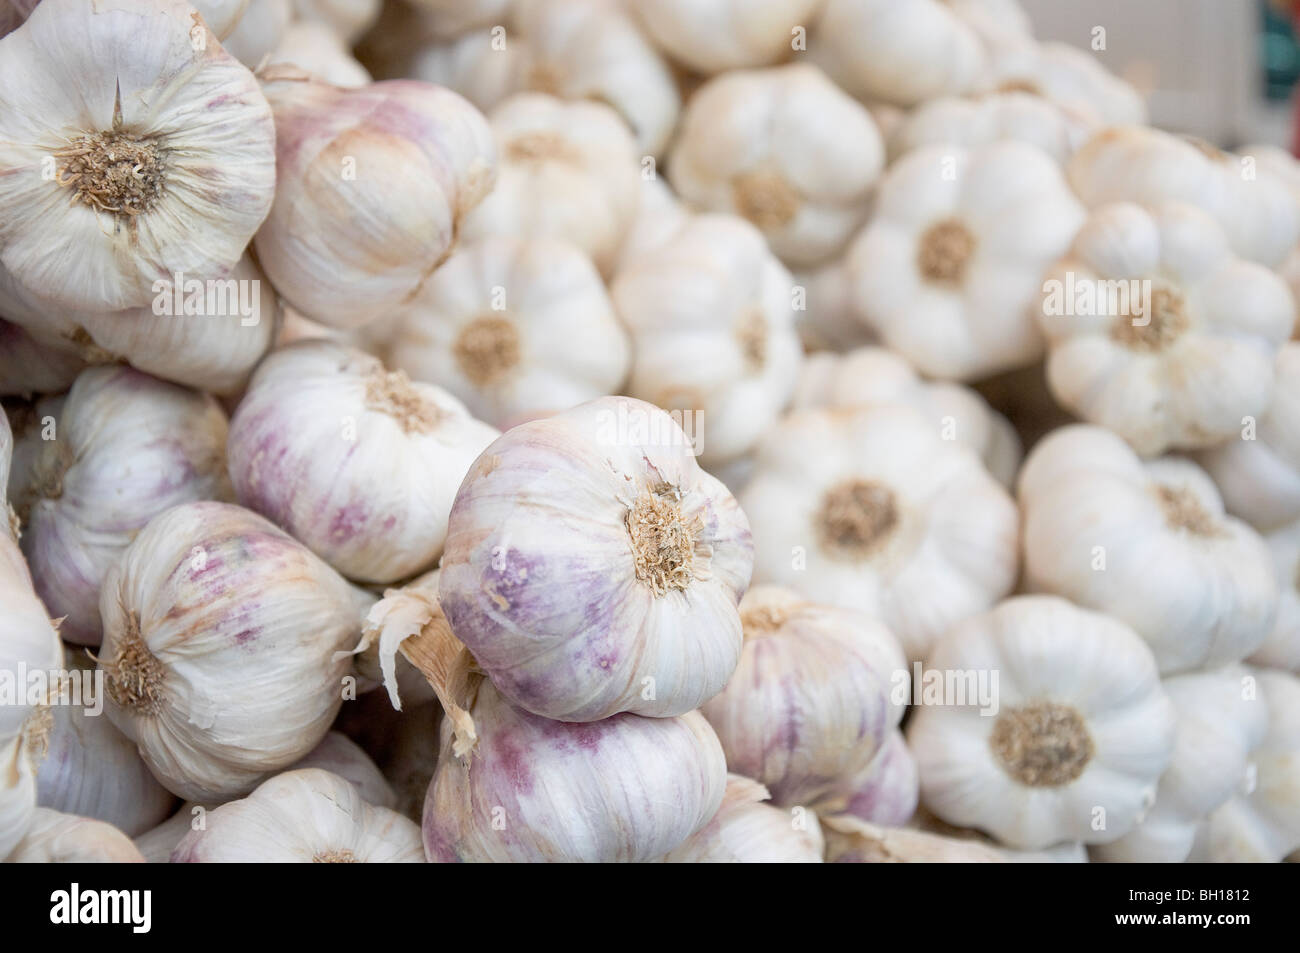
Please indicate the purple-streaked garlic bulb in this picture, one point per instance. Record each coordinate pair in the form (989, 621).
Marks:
(593, 568)
(812, 700)
(747, 831)
(225, 648)
(121, 448)
(57, 838)
(306, 816)
(373, 184)
(886, 791)
(357, 462)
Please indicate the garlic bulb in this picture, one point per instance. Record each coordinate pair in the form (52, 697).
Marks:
(971, 122)
(155, 93)
(321, 426)
(593, 568)
(259, 31)
(342, 757)
(710, 36)
(1219, 723)
(872, 375)
(124, 448)
(222, 16)
(786, 149)
(568, 171)
(1281, 649)
(1147, 543)
(29, 365)
(1258, 469)
(454, 17)
(348, 19)
(344, 256)
(497, 326)
(747, 831)
(317, 48)
(1158, 332)
(157, 843)
(850, 840)
(886, 791)
(307, 816)
(810, 703)
(1079, 733)
(1259, 213)
(871, 509)
(825, 317)
(950, 266)
(659, 216)
(58, 838)
(713, 335)
(224, 648)
(1069, 78)
(484, 66)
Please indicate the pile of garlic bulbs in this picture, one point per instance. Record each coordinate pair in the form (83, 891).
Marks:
(686, 431)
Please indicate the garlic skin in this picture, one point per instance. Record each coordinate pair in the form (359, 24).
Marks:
(348, 19)
(514, 799)
(871, 509)
(29, 365)
(126, 447)
(157, 843)
(713, 336)
(306, 816)
(1281, 649)
(786, 149)
(216, 686)
(1071, 79)
(949, 269)
(810, 702)
(568, 170)
(1082, 726)
(886, 791)
(317, 48)
(194, 119)
(593, 568)
(496, 325)
(58, 838)
(1259, 471)
(1158, 332)
(747, 831)
(322, 426)
(1147, 543)
(1219, 724)
(259, 31)
(341, 756)
(711, 36)
(971, 122)
(873, 375)
(374, 184)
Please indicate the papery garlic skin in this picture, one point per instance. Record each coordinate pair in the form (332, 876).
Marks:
(1069, 78)
(1281, 649)
(349, 19)
(124, 448)
(314, 46)
(1158, 332)
(1081, 723)
(321, 427)
(152, 82)
(58, 838)
(568, 170)
(515, 328)
(593, 568)
(886, 791)
(871, 509)
(747, 831)
(520, 796)
(29, 365)
(1220, 722)
(306, 816)
(971, 122)
(811, 701)
(374, 184)
(712, 322)
(224, 648)
(710, 36)
(1147, 543)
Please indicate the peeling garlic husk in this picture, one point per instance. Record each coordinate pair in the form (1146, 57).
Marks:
(803, 745)
(374, 184)
(183, 109)
(322, 426)
(745, 830)
(592, 567)
(122, 448)
(315, 47)
(225, 648)
(710, 36)
(258, 31)
(348, 19)
(303, 816)
(58, 838)
(496, 326)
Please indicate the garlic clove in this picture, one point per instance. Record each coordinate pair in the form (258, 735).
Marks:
(58, 838)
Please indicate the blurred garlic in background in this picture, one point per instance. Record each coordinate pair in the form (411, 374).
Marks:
(317, 48)
(711, 36)
(259, 31)
(1281, 649)
(348, 19)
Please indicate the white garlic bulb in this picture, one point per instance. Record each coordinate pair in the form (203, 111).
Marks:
(1147, 543)
(786, 149)
(258, 31)
(712, 322)
(314, 46)
(659, 216)
(1077, 733)
(1281, 649)
(163, 150)
(349, 19)
(374, 183)
(321, 426)
(978, 121)
(497, 326)
(710, 36)
(568, 170)
(803, 743)
(747, 831)
(224, 648)
(871, 509)
(341, 756)
(483, 66)
(592, 567)
(124, 448)
(30, 365)
(58, 838)
(1069, 78)
(306, 816)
